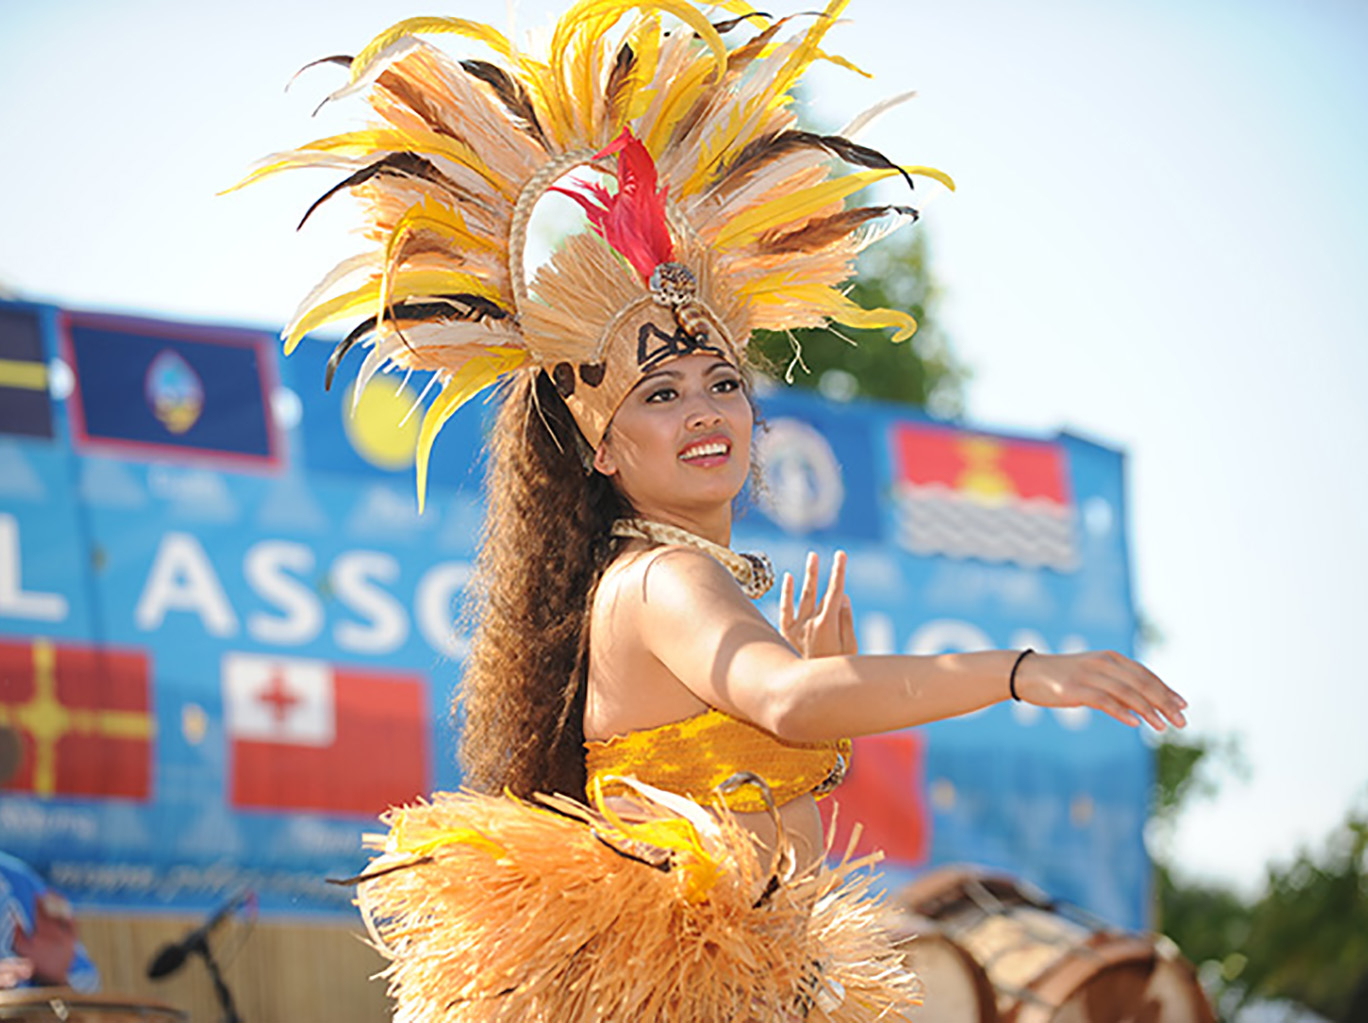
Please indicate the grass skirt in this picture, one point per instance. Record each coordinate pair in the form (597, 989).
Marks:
(496, 910)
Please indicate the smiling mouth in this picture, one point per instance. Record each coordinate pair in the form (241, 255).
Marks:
(709, 449)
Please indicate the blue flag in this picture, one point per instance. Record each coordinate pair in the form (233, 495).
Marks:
(146, 388)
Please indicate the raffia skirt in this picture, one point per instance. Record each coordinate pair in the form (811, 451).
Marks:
(497, 910)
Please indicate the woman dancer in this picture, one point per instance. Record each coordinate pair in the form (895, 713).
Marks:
(610, 608)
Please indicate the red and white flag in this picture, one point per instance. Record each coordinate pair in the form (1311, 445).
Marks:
(309, 735)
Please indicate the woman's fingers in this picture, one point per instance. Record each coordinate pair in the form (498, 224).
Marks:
(849, 644)
(1103, 701)
(1142, 690)
(807, 602)
(1106, 681)
(786, 604)
(831, 602)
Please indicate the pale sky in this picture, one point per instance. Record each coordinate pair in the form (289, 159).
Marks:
(1158, 241)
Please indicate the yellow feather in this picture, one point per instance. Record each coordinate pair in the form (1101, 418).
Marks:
(676, 99)
(740, 7)
(472, 378)
(833, 305)
(794, 207)
(857, 316)
(453, 836)
(369, 141)
(282, 161)
(407, 284)
(428, 215)
(935, 175)
(417, 26)
(676, 835)
(742, 127)
(681, 9)
(840, 61)
(646, 45)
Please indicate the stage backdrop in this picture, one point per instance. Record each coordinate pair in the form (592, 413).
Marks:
(228, 641)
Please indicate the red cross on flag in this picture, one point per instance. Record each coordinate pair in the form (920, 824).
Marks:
(308, 735)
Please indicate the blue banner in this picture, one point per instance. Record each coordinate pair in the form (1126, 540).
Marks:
(225, 651)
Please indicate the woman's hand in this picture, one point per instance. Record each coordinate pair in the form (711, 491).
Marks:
(1106, 681)
(818, 631)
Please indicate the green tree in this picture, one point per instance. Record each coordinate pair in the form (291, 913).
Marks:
(924, 371)
(1303, 938)
(1308, 935)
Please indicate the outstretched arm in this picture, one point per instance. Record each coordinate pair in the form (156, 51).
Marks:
(696, 621)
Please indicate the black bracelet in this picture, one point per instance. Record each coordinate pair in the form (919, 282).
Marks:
(1011, 679)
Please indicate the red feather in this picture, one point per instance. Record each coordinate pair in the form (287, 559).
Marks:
(633, 220)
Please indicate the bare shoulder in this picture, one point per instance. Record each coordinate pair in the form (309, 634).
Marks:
(629, 688)
(670, 576)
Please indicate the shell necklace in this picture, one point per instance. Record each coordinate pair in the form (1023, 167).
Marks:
(752, 572)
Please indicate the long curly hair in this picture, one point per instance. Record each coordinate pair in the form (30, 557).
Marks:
(545, 545)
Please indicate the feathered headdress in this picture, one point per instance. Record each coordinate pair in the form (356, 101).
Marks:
(726, 217)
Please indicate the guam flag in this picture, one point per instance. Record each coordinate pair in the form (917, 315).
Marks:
(976, 495)
(149, 388)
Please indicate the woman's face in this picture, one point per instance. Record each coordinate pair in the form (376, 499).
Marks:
(680, 440)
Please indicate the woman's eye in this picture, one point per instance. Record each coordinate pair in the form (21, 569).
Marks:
(661, 394)
(727, 384)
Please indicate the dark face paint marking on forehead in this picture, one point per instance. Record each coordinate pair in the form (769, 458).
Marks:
(671, 345)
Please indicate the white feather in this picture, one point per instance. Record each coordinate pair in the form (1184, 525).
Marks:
(863, 120)
(377, 66)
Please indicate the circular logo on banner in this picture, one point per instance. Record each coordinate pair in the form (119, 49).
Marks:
(374, 427)
(803, 489)
(174, 392)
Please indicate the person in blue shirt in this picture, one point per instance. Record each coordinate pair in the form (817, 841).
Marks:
(38, 943)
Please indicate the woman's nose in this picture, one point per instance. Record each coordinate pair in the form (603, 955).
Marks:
(703, 411)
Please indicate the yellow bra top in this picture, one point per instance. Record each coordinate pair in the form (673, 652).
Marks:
(692, 757)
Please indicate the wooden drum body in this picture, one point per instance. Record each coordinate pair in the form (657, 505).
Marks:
(63, 1005)
(989, 948)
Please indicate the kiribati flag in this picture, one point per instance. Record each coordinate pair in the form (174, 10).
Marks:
(25, 407)
(975, 495)
(172, 390)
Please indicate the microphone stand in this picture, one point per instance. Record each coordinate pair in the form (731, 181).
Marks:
(225, 997)
(173, 956)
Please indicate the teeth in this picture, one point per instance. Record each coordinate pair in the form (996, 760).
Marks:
(703, 450)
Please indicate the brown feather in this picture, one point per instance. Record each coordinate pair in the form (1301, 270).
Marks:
(723, 27)
(409, 165)
(740, 58)
(511, 94)
(614, 96)
(770, 147)
(412, 96)
(445, 309)
(853, 152)
(339, 58)
(819, 233)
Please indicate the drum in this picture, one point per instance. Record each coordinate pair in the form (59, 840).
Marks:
(63, 1005)
(955, 986)
(1041, 963)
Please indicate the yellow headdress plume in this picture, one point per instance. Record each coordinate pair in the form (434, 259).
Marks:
(727, 217)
